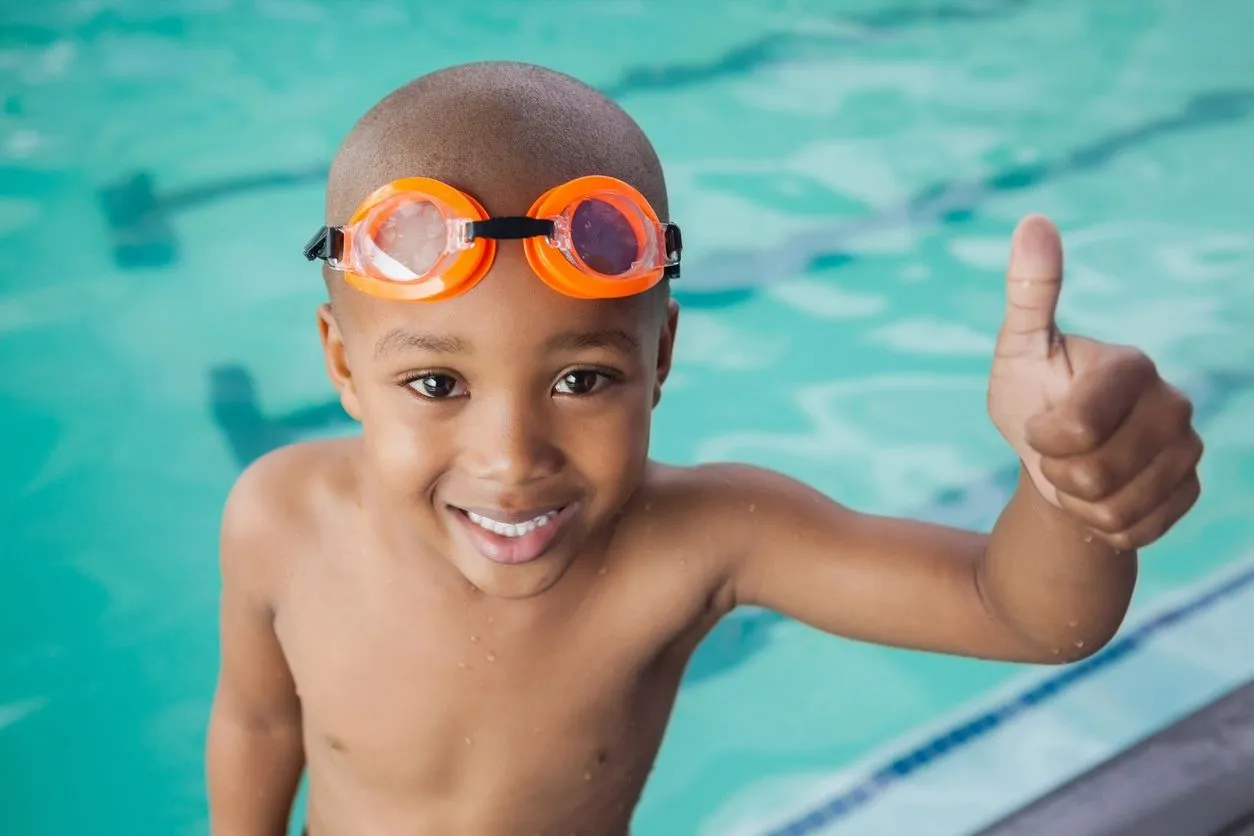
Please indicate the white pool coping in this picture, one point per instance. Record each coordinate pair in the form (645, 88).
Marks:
(976, 766)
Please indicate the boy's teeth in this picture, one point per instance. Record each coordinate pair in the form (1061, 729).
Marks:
(510, 529)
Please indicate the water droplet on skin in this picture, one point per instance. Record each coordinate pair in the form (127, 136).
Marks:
(474, 639)
(536, 730)
(1072, 623)
(1088, 538)
(601, 571)
(491, 656)
(1079, 644)
(1056, 651)
(752, 507)
(461, 665)
(489, 619)
(648, 505)
(587, 775)
(467, 739)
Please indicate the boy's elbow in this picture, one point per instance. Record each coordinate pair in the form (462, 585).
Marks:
(1069, 646)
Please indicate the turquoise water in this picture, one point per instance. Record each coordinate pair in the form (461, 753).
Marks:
(847, 183)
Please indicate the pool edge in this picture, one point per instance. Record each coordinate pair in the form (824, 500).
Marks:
(1197, 775)
(899, 767)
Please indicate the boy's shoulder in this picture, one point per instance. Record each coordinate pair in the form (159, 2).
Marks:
(710, 518)
(714, 502)
(715, 487)
(288, 496)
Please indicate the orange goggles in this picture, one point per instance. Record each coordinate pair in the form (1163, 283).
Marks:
(419, 239)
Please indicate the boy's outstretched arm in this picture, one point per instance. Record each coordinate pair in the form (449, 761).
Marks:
(1109, 465)
(254, 751)
(1038, 589)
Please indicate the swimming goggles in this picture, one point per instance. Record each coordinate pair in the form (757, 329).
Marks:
(419, 239)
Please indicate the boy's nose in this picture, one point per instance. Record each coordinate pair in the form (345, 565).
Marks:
(511, 445)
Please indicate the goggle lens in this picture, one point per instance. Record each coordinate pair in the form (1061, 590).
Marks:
(409, 240)
(604, 238)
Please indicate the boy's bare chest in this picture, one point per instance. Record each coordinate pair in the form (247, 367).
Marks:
(409, 699)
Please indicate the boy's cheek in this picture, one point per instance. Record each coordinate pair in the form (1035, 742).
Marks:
(405, 457)
(612, 449)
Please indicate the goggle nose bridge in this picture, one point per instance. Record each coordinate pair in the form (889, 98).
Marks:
(511, 228)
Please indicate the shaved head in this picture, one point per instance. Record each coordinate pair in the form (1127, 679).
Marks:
(494, 130)
(502, 132)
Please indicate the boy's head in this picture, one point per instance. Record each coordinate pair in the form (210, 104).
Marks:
(508, 424)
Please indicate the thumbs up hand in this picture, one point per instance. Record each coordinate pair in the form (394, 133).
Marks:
(1101, 435)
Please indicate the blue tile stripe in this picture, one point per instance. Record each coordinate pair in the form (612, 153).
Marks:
(951, 740)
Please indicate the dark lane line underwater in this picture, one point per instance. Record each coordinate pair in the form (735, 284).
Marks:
(110, 21)
(779, 48)
(141, 221)
(250, 433)
(731, 274)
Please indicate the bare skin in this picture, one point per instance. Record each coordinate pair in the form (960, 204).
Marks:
(373, 637)
(428, 689)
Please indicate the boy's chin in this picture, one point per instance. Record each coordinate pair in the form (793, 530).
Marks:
(520, 581)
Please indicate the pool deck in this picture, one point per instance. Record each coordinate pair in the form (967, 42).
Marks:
(1193, 778)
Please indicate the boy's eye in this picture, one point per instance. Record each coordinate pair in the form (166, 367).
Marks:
(581, 382)
(435, 386)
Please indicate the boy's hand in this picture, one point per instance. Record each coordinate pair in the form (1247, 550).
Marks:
(1102, 435)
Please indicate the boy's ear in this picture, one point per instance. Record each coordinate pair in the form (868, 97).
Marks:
(335, 354)
(665, 348)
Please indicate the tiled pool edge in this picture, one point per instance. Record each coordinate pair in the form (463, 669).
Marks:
(1193, 778)
(819, 818)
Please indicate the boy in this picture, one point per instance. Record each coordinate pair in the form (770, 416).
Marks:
(473, 619)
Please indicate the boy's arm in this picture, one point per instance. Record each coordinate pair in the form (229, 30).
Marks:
(1109, 459)
(1039, 588)
(254, 751)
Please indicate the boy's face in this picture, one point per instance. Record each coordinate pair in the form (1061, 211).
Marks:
(511, 421)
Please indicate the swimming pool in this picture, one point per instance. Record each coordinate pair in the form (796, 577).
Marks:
(847, 183)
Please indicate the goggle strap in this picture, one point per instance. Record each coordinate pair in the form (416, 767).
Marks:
(674, 249)
(510, 228)
(327, 243)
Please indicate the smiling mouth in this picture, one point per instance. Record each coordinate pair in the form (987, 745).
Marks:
(512, 538)
(508, 528)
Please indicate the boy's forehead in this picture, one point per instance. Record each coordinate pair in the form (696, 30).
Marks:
(508, 312)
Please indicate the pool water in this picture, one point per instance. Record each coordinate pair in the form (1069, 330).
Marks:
(847, 183)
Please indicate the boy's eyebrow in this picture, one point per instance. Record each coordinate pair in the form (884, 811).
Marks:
(602, 338)
(398, 339)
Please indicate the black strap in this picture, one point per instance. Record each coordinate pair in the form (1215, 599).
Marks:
(328, 242)
(674, 250)
(510, 228)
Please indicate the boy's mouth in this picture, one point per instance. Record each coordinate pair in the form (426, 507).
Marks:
(512, 538)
